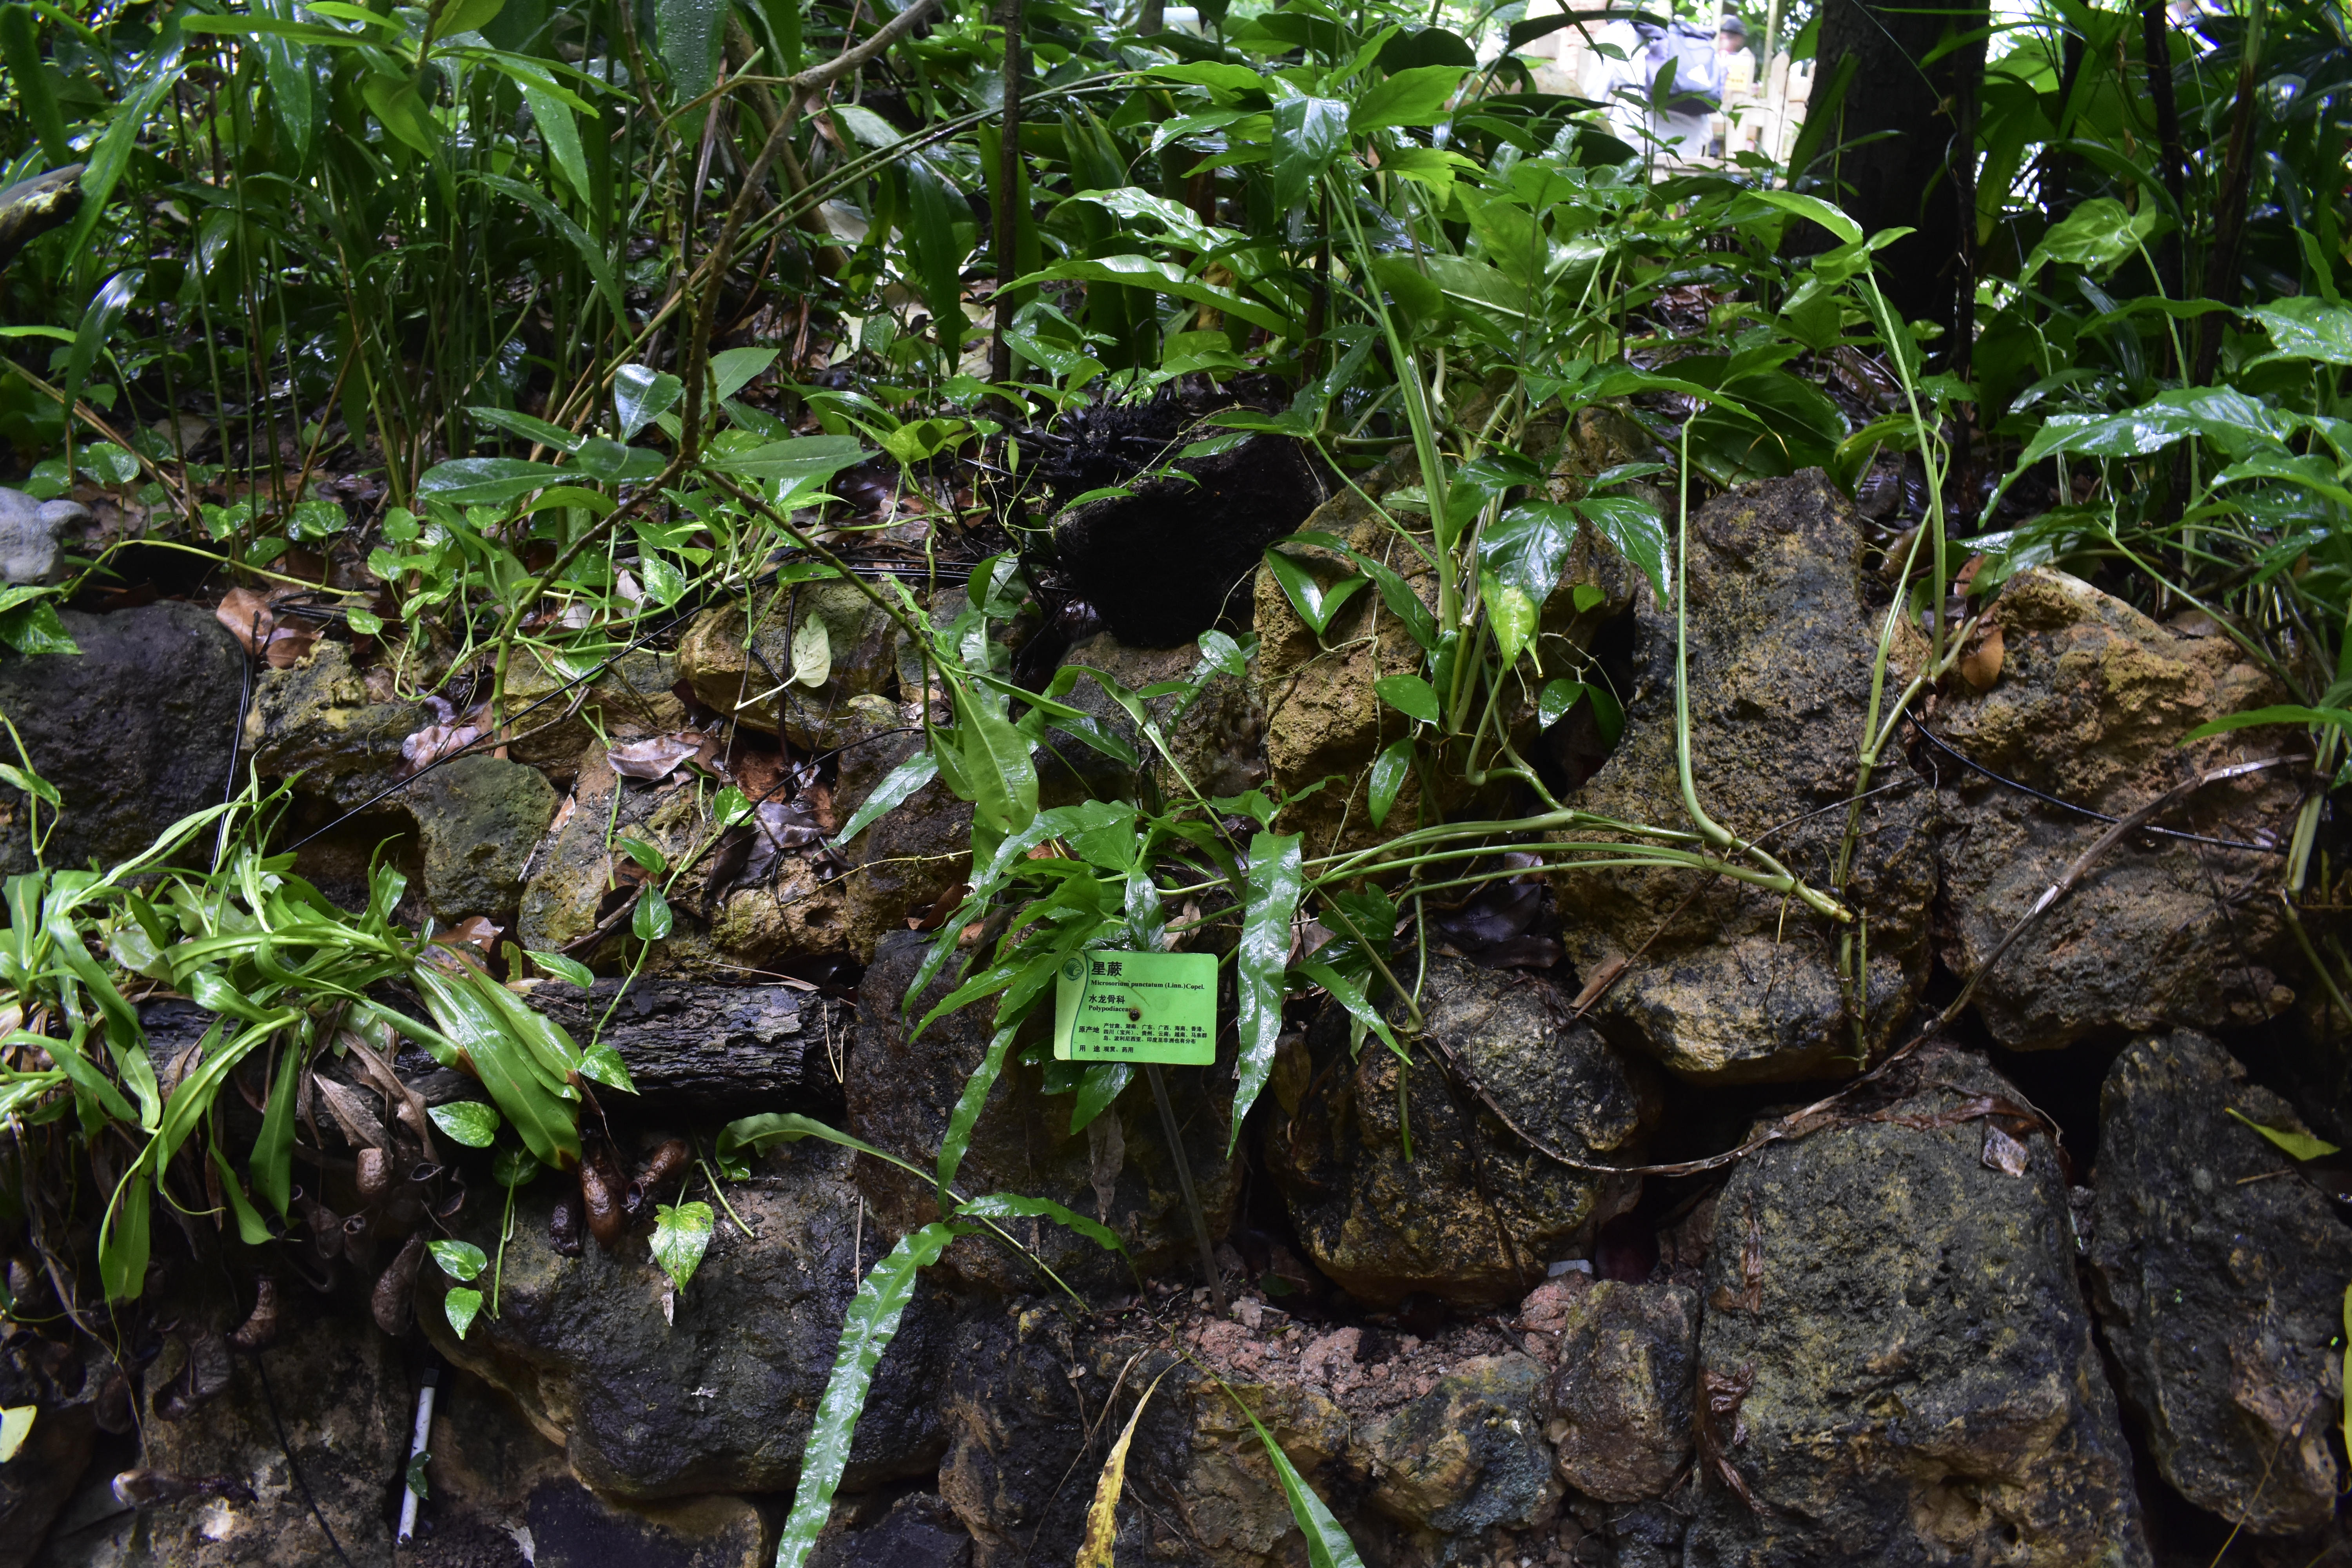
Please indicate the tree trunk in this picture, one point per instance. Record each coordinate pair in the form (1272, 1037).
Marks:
(1905, 179)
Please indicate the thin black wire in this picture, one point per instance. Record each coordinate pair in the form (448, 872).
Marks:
(292, 1468)
(1974, 767)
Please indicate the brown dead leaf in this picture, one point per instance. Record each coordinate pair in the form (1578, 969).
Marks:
(288, 646)
(937, 915)
(658, 756)
(476, 931)
(1750, 1297)
(1602, 978)
(1719, 1428)
(1980, 665)
(247, 618)
(360, 1125)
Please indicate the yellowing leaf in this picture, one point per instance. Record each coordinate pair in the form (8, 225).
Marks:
(17, 1425)
(1102, 1514)
(2296, 1145)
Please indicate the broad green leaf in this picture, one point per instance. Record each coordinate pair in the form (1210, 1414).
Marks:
(688, 32)
(649, 858)
(1102, 1083)
(1308, 134)
(1275, 880)
(2295, 1145)
(1389, 772)
(398, 107)
(98, 323)
(1415, 97)
(462, 1306)
(123, 1238)
(33, 785)
(564, 968)
(2302, 327)
(865, 1333)
(653, 920)
(538, 1103)
(2099, 233)
(1515, 616)
(1350, 995)
(154, 76)
(641, 395)
(469, 1121)
(1813, 207)
(604, 1064)
(251, 1229)
(1526, 547)
(1558, 697)
(456, 16)
(37, 102)
(799, 460)
(1315, 603)
(458, 1259)
(562, 135)
(485, 481)
(681, 1236)
(514, 1168)
(1160, 277)
(1222, 653)
(1409, 695)
(997, 763)
(1638, 532)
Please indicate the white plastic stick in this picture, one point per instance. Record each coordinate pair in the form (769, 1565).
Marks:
(415, 1446)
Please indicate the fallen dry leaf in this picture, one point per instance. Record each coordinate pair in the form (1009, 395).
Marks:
(2002, 1152)
(288, 646)
(655, 757)
(476, 932)
(247, 618)
(1980, 665)
(444, 736)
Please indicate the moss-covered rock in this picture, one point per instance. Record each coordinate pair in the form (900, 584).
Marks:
(1895, 1362)
(2090, 706)
(1475, 1214)
(318, 719)
(860, 642)
(480, 819)
(1722, 980)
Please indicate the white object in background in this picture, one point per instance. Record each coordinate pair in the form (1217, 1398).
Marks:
(416, 1445)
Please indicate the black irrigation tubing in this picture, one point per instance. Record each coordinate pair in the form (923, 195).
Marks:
(492, 742)
(1974, 767)
(293, 1468)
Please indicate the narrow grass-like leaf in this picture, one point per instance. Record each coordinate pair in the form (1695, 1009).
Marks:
(865, 1333)
(1327, 1545)
(898, 784)
(966, 1115)
(1013, 1205)
(1275, 879)
(2295, 1145)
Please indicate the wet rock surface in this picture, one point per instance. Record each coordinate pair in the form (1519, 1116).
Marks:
(1216, 740)
(2218, 1275)
(1475, 1214)
(1725, 982)
(2091, 704)
(902, 1087)
(479, 818)
(133, 733)
(1895, 1364)
(1621, 1401)
(606, 1359)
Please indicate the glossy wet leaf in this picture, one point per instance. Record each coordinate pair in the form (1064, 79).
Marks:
(1557, 699)
(1639, 533)
(1017, 1205)
(562, 968)
(1409, 695)
(681, 1236)
(469, 1122)
(462, 1305)
(458, 1259)
(1308, 134)
(1390, 770)
(896, 784)
(966, 1115)
(871, 1324)
(1417, 96)
(1160, 277)
(485, 481)
(642, 394)
(653, 920)
(1327, 1545)
(1315, 601)
(1275, 880)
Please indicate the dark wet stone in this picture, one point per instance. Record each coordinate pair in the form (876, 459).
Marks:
(134, 732)
(2220, 1279)
(1895, 1362)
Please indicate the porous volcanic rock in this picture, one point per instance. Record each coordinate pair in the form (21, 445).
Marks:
(914, 854)
(480, 817)
(715, 1392)
(134, 730)
(1167, 562)
(902, 1087)
(1475, 1214)
(2091, 704)
(1723, 981)
(318, 719)
(1463, 1458)
(1895, 1362)
(346, 1404)
(1217, 739)
(1620, 1403)
(2219, 1278)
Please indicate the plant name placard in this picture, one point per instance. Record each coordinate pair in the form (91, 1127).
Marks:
(1137, 1007)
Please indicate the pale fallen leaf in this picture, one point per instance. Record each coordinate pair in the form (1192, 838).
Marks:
(2003, 1152)
(812, 654)
(445, 735)
(655, 757)
(15, 1425)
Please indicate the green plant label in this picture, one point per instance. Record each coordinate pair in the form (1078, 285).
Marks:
(1137, 1007)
